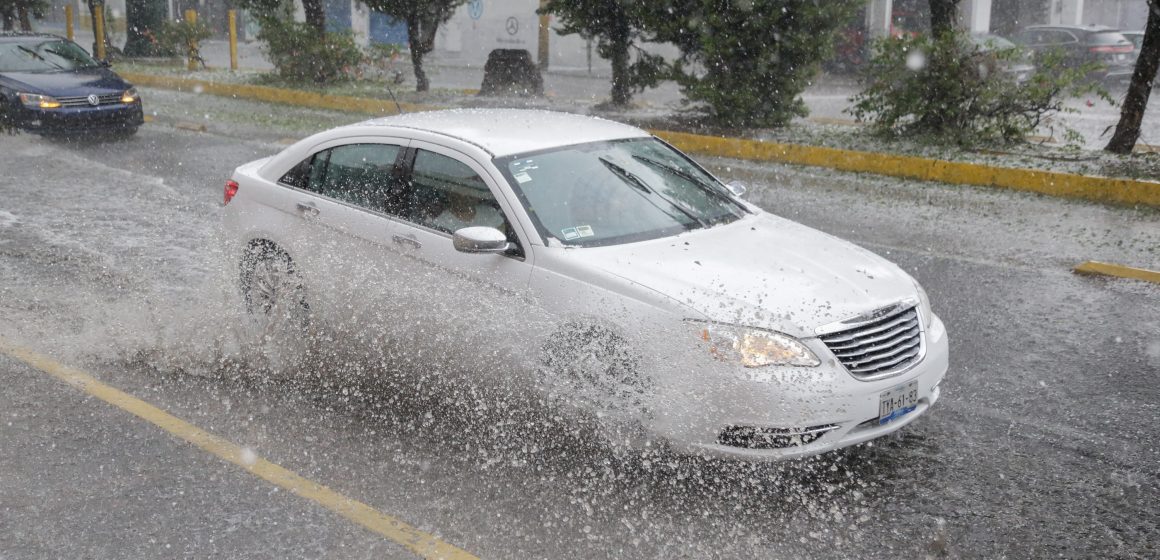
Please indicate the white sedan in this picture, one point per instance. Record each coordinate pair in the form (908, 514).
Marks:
(515, 254)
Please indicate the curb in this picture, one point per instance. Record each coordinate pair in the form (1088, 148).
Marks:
(1067, 185)
(1116, 270)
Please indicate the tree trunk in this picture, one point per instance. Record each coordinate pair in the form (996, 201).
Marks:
(618, 48)
(315, 15)
(1136, 101)
(25, 22)
(143, 19)
(421, 38)
(942, 16)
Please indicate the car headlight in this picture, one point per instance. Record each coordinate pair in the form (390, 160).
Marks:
(38, 101)
(130, 96)
(924, 312)
(755, 347)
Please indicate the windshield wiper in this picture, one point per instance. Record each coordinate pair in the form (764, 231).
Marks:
(637, 183)
(39, 56)
(700, 183)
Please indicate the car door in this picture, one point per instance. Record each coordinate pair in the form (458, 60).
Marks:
(465, 312)
(341, 194)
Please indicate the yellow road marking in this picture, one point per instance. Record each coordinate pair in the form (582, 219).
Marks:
(1120, 271)
(419, 542)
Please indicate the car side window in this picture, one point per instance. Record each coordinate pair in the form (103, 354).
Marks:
(445, 194)
(361, 174)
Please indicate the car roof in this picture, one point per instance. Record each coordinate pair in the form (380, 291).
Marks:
(504, 132)
(1084, 28)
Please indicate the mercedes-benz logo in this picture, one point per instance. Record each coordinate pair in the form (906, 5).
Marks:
(513, 26)
(94, 100)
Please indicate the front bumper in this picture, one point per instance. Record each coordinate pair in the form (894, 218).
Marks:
(65, 120)
(820, 409)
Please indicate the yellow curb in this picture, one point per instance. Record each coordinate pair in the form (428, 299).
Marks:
(276, 95)
(1119, 271)
(1099, 189)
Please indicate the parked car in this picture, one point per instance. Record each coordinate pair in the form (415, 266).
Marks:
(1004, 56)
(583, 262)
(1107, 48)
(50, 85)
(1137, 39)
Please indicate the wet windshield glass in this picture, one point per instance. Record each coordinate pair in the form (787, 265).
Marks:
(45, 56)
(608, 193)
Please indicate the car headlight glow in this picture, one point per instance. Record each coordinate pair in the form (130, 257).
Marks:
(755, 347)
(924, 312)
(130, 96)
(38, 101)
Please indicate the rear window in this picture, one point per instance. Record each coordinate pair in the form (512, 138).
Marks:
(1108, 38)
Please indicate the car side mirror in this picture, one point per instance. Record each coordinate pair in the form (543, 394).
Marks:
(105, 63)
(736, 187)
(479, 239)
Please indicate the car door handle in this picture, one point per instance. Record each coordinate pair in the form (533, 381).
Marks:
(307, 209)
(400, 240)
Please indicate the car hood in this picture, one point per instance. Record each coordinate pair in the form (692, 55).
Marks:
(66, 83)
(761, 271)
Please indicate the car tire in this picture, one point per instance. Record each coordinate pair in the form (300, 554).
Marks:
(269, 282)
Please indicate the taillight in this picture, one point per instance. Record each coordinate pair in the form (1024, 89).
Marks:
(231, 190)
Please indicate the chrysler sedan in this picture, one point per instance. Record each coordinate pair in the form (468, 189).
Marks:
(586, 263)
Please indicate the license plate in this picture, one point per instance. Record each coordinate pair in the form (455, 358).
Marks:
(897, 402)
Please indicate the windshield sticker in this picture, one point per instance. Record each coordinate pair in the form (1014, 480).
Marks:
(570, 233)
(584, 231)
(522, 177)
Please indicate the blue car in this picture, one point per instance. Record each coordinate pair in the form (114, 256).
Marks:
(51, 86)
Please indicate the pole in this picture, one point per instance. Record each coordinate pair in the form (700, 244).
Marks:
(191, 19)
(233, 17)
(68, 22)
(99, 31)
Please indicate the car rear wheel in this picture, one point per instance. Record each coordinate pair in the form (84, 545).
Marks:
(270, 283)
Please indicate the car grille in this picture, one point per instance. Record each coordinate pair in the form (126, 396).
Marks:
(83, 100)
(881, 347)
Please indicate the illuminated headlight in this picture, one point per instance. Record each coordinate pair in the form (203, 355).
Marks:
(37, 101)
(755, 347)
(130, 96)
(924, 312)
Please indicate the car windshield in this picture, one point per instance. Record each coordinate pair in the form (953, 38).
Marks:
(43, 56)
(991, 42)
(606, 193)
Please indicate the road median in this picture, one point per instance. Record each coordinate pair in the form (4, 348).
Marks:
(1053, 183)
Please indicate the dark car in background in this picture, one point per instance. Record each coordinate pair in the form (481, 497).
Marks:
(1000, 55)
(1113, 54)
(50, 85)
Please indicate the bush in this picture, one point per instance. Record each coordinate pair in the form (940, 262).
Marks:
(747, 63)
(181, 38)
(302, 54)
(952, 90)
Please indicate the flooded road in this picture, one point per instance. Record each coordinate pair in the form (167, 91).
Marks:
(1044, 443)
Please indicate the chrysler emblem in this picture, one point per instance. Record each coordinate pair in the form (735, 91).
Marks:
(94, 100)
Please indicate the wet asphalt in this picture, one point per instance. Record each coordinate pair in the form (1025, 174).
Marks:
(1044, 444)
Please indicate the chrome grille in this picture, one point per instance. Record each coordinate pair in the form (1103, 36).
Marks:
(83, 100)
(878, 348)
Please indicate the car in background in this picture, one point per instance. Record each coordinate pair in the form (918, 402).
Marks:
(568, 259)
(1108, 50)
(1137, 39)
(51, 86)
(999, 54)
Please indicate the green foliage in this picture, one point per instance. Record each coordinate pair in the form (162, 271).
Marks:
(181, 38)
(746, 63)
(300, 54)
(951, 90)
(616, 26)
(423, 18)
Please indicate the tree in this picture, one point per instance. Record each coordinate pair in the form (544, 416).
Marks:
(22, 12)
(143, 21)
(942, 16)
(1136, 101)
(616, 25)
(747, 63)
(423, 18)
